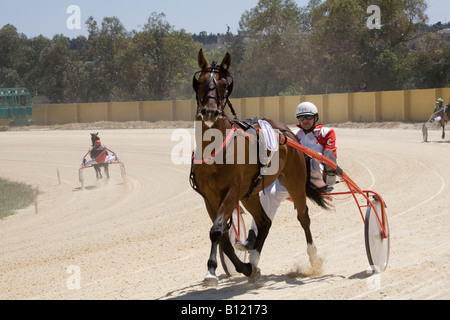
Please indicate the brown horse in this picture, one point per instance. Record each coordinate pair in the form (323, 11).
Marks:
(444, 118)
(94, 152)
(223, 183)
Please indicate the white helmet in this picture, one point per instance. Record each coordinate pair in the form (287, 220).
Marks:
(306, 108)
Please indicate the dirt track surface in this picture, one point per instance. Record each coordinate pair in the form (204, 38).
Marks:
(148, 238)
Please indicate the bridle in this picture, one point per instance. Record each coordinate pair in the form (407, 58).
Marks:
(222, 102)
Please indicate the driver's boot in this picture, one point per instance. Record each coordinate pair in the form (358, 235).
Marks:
(329, 176)
(248, 244)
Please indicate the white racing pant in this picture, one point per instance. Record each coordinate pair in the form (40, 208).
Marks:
(270, 200)
(274, 194)
(110, 158)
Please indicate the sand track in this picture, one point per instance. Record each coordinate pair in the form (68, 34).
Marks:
(148, 239)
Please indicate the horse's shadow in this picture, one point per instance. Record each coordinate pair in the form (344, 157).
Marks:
(86, 188)
(97, 186)
(438, 142)
(235, 287)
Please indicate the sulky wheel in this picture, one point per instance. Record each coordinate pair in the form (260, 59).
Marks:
(377, 246)
(237, 232)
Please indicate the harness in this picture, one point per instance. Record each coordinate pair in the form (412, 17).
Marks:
(241, 126)
(228, 90)
(244, 127)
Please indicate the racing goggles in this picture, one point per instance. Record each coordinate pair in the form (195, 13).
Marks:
(307, 117)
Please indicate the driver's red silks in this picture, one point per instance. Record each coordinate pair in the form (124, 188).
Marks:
(100, 159)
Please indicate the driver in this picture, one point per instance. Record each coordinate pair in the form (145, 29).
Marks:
(439, 103)
(315, 137)
(99, 152)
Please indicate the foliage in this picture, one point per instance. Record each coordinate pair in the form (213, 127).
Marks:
(15, 196)
(280, 49)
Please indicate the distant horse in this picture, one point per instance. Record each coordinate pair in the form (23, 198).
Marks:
(224, 183)
(444, 114)
(99, 153)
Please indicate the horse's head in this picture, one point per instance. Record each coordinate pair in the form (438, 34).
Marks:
(212, 88)
(94, 137)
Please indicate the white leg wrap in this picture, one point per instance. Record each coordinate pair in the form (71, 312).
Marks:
(314, 259)
(254, 257)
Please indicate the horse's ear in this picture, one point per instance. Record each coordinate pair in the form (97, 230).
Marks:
(202, 63)
(226, 62)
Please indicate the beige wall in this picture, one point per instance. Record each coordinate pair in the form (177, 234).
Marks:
(124, 111)
(392, 105)
(287, 107)
(410, 105)
(418, 99)
(61, 113)
(92, 112)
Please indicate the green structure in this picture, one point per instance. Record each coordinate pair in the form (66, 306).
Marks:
(15, 104)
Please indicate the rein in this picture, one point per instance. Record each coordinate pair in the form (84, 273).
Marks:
(222, 147)
(225, 144)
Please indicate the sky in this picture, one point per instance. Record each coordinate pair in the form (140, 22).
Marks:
(51, 17)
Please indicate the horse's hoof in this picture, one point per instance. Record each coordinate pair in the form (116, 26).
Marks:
(210, 281)
(255, 276)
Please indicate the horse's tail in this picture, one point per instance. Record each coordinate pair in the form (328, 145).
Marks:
(315, 195)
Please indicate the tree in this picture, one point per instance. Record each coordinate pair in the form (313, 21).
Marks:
(384, 51)
(273, 28)
(105, 45)
(280, 49)
(166, 58)
(53, 64)
(156, 63)
(15, 57)
(353, 53)
(338, 27)
(430, 63)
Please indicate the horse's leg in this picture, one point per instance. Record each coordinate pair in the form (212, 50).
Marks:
(107, 171)
(227, 247)
(214, 235)
(443, 127)
(314, 259)
(99, 171)
(298, 194)
(263, 224)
